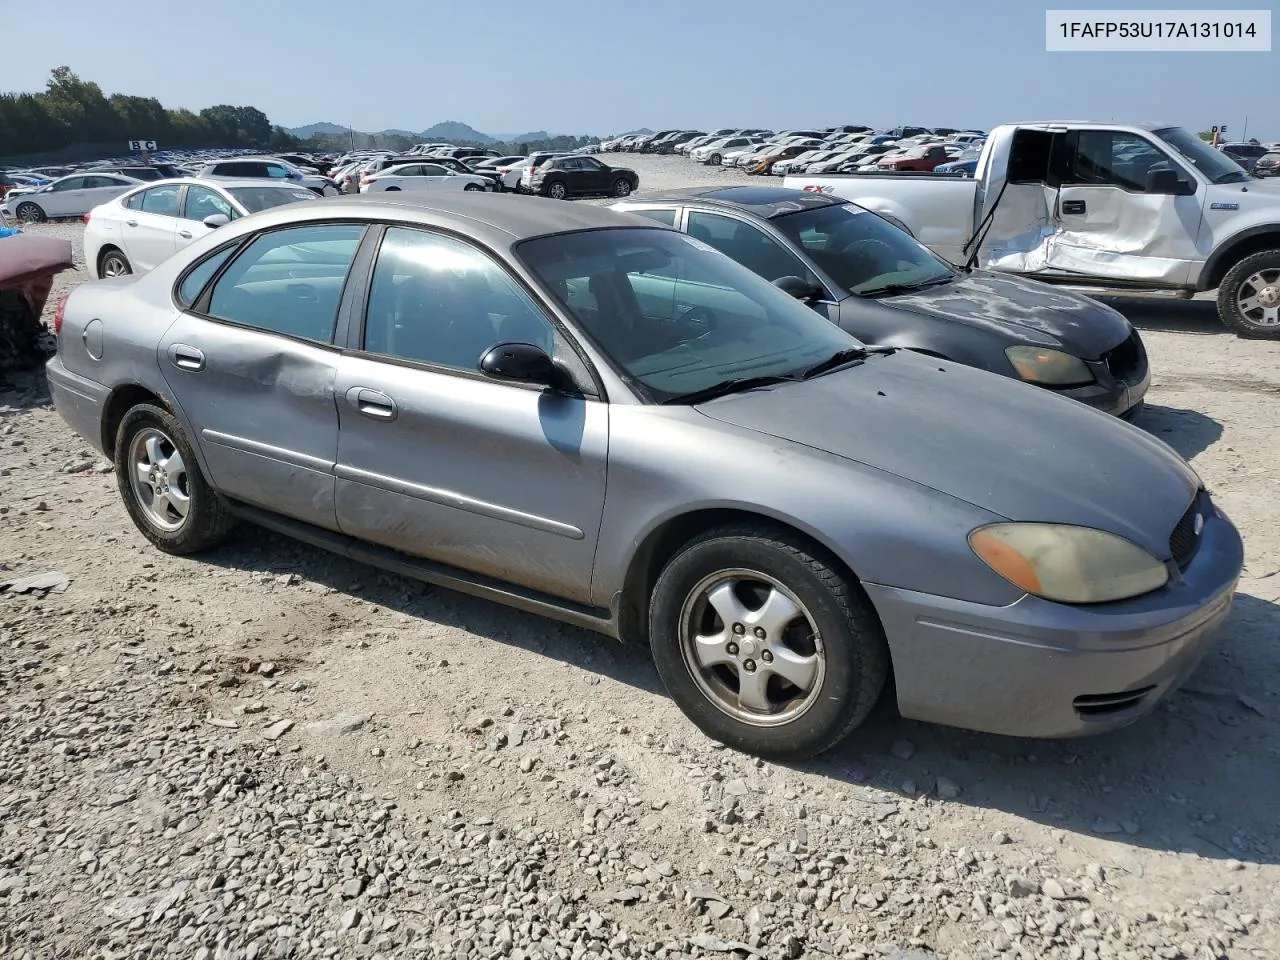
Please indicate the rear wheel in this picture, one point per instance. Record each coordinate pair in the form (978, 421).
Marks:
(30, 213)
(392, 190)
(764, 644)
(1249, 297)
(557, 191)
(115, 264)
(160, 481)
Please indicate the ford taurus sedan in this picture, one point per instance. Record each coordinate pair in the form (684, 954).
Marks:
(594, 417)
(874, 280)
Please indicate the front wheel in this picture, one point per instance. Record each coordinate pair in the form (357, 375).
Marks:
(764, 643)
(1249, 297)
(160, 481)
(472, 188)
(621, 187)
(30, 213)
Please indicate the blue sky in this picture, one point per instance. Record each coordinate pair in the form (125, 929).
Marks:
(507, 66)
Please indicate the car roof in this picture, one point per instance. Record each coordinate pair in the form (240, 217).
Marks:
(224, 183)
(499, 220)
(764, 202)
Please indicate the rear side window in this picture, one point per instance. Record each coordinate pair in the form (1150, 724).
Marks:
(162, 201)
(193, 283)
(667, 216)
(289, 281)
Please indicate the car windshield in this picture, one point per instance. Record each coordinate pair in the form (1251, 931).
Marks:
(1214, 164)
(254, 199)
(861, 252)
(674, 316)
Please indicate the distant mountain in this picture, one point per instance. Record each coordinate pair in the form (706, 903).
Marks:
(454, 130)
(394, 133)
(311, 129)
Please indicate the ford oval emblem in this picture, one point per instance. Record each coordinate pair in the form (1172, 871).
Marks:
(1198, 525)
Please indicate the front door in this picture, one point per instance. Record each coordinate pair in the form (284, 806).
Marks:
(64, 198)
(149, 226)
(594, 177)
(200, 202)
(252, 366)
(435, 459)
(1111, 217)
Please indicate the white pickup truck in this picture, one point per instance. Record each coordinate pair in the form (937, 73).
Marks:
(1116, 206)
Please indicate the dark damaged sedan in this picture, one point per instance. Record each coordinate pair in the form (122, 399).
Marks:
(885, 288)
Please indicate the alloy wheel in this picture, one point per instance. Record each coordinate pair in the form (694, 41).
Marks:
(1259, 297)
(158, 477)
(752, 647)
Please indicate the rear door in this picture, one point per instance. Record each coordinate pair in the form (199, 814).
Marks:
(149, 226)
(252, 363)
(439, 461)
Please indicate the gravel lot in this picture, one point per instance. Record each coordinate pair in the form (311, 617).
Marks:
(273, 752)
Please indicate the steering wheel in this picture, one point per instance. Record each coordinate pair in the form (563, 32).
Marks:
(699, 321)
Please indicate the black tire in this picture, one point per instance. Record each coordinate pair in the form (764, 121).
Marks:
(715, 159)
(472, 187)
(29, 212)
(113, 263)
(207, 520)
(622, 187)
(556, 190)
(1233, 315)
(853, 648)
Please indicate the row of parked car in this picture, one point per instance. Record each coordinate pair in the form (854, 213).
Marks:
(33, 197)
(850, 148)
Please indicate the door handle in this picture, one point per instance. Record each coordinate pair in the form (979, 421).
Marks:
(131, 223)
(185, 234)
(186, 358)
(1072, 207)
(372, 403)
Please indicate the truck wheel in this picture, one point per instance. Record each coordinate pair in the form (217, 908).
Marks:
(1249, 297)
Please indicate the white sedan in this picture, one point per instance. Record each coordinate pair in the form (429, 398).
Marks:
(137, 231)
(421, 176)
(72, 196)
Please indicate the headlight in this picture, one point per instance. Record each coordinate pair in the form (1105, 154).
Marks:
(1068, 564)
(1051, 368)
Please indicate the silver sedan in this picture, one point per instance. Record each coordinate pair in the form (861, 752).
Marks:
(593, 417)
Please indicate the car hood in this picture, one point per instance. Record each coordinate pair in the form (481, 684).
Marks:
(1017, 451)
(1022, 309)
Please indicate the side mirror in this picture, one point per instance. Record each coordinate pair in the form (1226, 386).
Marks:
(522, 363)
(1170, 183)
(798, 288)
(215, 220)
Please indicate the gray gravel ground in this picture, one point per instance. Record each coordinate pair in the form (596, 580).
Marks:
(273, 752)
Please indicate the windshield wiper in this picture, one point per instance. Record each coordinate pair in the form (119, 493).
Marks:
(838, 359)
(725, 387)
(894, 288)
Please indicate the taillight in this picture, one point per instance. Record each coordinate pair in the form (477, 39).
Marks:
(85, 218)
(57, 313)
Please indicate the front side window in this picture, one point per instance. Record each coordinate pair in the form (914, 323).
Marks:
(1114, 158)
(277, 172)
(202, 202)
(673, 316)
(590, 163)
(162, 201)
(289, 281)
(748, 244)
(71, 183)
(434, 170)
(440, 301)
(862, 252)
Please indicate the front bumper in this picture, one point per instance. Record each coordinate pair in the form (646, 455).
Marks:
(1042, 669)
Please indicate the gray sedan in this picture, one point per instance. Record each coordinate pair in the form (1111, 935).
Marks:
(593, 417)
